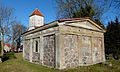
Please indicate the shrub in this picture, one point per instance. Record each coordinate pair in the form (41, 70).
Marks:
(9, 55)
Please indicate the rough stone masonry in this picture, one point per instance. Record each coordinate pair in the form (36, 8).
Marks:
(64, 43)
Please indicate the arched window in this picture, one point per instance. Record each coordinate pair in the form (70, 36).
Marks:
(36, 48)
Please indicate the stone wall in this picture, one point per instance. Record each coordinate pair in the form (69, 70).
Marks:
(70, 51)
(65, 47)
(36, 57)
(81, 50)
(46, 42)
(97, 50)
(49, 51)
(27, 50)
(81, 47)
(85, 50)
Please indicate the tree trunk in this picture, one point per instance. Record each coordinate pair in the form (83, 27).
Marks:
(2, 45)
(2, 48)
(12, 46)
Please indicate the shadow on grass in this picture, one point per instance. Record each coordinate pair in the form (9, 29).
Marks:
(8, 56)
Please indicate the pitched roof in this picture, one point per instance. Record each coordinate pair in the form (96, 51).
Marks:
(60, 20)
(7, 45)
(36, 12)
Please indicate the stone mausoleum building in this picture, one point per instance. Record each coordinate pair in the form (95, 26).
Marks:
(64, 43)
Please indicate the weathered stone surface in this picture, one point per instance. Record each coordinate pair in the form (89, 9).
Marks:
(36, 57)
(86, 50)
(26, 50)
(70, 51)
(73, 46)
(97, 50)
(49, 51)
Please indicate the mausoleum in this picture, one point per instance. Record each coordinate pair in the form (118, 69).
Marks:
(64, 43)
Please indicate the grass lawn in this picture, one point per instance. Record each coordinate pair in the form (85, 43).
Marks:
(19, 65)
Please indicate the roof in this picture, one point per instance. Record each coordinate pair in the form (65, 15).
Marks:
(36, 12)
(7, 45)
(60, 20)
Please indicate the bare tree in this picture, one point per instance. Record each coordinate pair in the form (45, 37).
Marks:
(5, 16)
(67, 8)
(115, 5)
(15, 33)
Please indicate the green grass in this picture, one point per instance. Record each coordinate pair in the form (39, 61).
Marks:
(7, 56)
(19, 65)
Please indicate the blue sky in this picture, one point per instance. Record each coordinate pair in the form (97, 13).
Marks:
(23, 8)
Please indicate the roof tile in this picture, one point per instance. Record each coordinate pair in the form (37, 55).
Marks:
(7, 45)
(37, 12)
